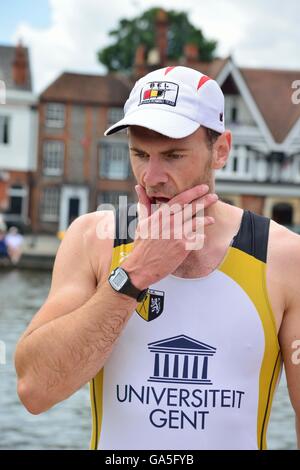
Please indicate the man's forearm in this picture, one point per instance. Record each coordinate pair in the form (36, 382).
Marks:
(58, 358)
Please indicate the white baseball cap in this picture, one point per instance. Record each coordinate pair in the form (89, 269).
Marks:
(174, 101)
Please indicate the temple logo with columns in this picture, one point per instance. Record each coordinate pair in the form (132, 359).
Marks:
(181, 359)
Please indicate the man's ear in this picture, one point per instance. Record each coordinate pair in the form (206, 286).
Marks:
(221, 150)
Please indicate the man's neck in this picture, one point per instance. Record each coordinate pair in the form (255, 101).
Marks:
(218, 238)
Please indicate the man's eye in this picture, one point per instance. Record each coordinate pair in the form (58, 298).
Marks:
(175, 156)
(141, 155)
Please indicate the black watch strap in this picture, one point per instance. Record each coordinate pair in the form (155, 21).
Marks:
(132, 291)
(124, 284)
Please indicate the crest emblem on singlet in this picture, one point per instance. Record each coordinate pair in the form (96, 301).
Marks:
(152, 305)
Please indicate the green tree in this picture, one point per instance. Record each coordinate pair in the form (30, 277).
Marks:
(119, 56)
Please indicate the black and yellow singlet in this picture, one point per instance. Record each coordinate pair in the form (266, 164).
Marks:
(198, 362)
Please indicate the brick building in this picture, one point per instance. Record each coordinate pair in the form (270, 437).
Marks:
(78, 168)
(263, 171)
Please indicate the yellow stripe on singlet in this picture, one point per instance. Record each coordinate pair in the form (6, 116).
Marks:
(96, 384)
(250, 274)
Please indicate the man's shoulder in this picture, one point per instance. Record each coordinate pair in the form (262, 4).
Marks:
(284, 247)
(92, 235)
(285, 239)
(93, 225)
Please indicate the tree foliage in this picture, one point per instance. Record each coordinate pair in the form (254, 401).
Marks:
(119, 56)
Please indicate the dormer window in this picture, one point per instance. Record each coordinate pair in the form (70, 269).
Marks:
(232, 109)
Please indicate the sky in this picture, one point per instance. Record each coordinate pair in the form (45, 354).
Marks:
(64, 35)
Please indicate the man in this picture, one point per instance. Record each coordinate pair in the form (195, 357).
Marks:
(182, 345)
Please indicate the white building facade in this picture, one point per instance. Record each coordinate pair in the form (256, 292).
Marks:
(18, 136)
(263, 171)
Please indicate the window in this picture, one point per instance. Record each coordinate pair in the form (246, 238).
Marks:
(53, 158)
(55, 115)
(50, 204)
(235, 164)
(4, 130)
(2, 92)
(115, 115)
(296, 168)
(232, 109)
(112, 197)
(240, 164)
(114, 159)
(17, 195)
(234, 113)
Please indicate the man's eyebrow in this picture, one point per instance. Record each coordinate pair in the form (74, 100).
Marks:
(173, 151)
(166, 152)
(134, 149)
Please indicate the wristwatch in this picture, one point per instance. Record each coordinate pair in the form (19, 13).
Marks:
(120, 282)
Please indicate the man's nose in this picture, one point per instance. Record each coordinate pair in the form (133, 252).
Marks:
(154, 173)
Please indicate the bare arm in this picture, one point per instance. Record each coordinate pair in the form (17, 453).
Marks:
(72, 335)
(289, 334)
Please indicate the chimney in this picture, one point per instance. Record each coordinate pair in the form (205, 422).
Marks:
(191, 54)
(140, 66)
(162, 35)
(20, 65)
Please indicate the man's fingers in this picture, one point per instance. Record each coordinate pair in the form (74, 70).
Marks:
(188, 211)
(144, 202)
(186, 197)
(197, 207)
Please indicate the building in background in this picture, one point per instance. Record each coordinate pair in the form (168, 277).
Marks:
(18, 136)
(263, 171)
(78, 168)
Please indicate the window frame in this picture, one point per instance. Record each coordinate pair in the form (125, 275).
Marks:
(5, 129)
(108, 155)
(58, 118)
(52, 170)
(102, 199)
(50, 216)
(114, 115)
(296, 168)
(242, 159)
(232, 107)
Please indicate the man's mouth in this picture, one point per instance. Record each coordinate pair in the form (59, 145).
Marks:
(159, 200)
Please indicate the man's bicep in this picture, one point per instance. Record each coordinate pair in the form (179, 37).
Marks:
(73, 278)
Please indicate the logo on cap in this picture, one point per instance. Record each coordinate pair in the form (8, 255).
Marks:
(159, 93)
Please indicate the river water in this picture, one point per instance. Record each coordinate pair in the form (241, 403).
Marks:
(67, 425)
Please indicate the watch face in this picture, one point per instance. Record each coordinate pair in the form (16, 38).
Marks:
(118, 279)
